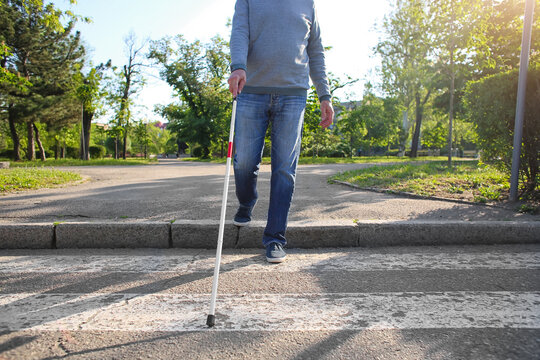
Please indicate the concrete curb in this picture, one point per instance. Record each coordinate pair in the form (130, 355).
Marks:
(112, 235)
(26, 236)
(204, 233)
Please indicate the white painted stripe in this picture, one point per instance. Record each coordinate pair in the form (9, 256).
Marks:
(296, 261)
(271, 312)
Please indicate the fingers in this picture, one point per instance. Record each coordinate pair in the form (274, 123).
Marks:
(327, 114)
(241, 84)
(236, 81)
(233, 85)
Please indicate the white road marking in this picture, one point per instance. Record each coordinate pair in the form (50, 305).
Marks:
(296, 262)
(270, 312)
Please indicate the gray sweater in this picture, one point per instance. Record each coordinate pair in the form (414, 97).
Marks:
(278, 43)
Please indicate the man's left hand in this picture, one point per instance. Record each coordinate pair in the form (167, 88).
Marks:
(327, 114)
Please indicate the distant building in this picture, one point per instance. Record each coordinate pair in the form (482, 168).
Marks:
(161, 125)
(104, 127)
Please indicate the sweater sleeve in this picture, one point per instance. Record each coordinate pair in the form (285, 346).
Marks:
(317, 65)
(240, 35)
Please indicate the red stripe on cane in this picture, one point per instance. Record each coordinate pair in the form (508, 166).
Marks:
(229, 153)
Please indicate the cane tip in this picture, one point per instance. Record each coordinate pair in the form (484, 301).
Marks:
(211, 320)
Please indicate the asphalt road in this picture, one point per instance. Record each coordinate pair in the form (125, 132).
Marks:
(463, 302)
(192, 191)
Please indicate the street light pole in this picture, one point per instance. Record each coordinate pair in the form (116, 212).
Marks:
(522, 89)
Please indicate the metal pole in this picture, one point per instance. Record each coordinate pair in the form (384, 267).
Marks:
(522, 90)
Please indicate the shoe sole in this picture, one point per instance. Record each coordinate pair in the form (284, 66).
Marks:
(241, 224)
(275, 260)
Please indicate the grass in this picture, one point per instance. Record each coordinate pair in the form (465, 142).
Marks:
(77, 162)
(17, 179)
(467, 180)
(333, 160)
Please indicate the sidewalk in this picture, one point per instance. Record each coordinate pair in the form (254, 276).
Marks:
(178, 204)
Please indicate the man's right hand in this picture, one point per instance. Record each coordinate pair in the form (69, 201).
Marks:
(237, 80)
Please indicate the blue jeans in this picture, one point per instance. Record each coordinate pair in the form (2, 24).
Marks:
(253, 115)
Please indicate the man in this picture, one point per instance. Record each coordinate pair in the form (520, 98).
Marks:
(275, 48)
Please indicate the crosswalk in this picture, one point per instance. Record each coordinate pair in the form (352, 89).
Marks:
(314, 290)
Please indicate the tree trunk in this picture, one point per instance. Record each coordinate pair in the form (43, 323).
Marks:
(87, 128)
(56, 149)
(124, 145)
(418, 124)
(40, 145)
(451, 119)
(14, 135)
(452, 89)
(31, 149)
(116, 148)
(533, 166)
(405, 127)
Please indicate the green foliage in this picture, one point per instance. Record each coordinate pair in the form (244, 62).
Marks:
(47, 54)
(491, 105)
(142, 138)
(407, 54)
(161, 141)
(89, 90)
(97, 151)
(434, 136)
(197, 73)
(372, 124)
(17, 179)
(503, 33)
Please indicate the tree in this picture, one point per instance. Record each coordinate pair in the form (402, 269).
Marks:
(434, 135)
(457, 33)
(314, 138)
(45, 54)
(503, 33)
(197, 73)
(90, 93)
(142, 137)
(374, 123)
(129, 81)
(352, 127)
(407, 60)
(491, 104)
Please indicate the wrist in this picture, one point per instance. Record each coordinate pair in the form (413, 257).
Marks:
(235, 67)
(325, 98)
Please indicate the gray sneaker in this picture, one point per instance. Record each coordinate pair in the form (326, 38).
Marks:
(275, 253)
(242, 217)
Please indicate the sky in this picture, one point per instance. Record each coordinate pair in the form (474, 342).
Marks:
(348, 26)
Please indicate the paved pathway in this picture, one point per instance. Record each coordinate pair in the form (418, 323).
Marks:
(388, 303)
(189, 191)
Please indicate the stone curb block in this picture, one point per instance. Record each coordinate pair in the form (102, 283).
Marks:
(26, 236)
(202, 234)
(112, 235)
(411, 233)
(304, 234)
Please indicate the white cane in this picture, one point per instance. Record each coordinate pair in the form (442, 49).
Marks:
(211, 320)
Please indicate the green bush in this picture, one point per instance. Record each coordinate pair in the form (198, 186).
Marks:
(72, 152)
(109, 145)
(97, 152)
(491, 104)
(7, 153)
(196, 151)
